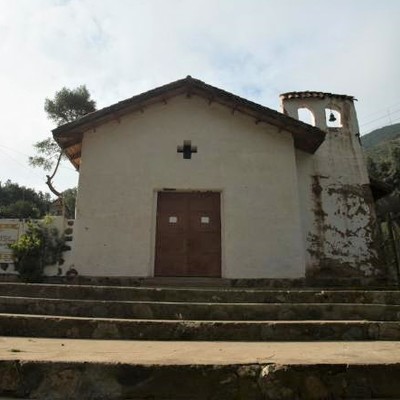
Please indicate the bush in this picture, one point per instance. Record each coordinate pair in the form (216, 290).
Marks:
(40, 246)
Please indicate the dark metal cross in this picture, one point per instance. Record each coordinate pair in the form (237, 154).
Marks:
(187, 149)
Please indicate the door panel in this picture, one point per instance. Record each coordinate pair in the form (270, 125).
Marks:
(188, 237)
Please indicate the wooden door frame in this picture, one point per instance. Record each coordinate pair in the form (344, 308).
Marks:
(154, 224)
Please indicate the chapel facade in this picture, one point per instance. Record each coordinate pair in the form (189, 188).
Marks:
(188, 180)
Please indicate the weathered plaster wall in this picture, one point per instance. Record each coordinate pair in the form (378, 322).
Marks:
(338, 214)
(125, 163)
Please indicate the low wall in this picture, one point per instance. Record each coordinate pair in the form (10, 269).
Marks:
(12, 229)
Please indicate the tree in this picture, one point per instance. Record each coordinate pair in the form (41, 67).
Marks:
(67, 106)
(384, 165)
(48, 152)
(69, 197)
(22, 202)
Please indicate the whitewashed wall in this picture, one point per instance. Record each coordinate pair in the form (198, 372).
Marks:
(125, 163)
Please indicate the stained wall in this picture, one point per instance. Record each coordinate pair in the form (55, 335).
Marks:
(338, 216)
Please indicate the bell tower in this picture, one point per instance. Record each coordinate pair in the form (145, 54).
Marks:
(336, 200)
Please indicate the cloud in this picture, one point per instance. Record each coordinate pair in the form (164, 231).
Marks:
(254, 48)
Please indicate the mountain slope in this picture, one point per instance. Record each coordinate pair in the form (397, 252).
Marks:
(378, 136)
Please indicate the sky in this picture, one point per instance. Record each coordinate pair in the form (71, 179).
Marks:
(256, 49)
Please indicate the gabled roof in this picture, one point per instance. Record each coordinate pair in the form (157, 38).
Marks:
(69, 136)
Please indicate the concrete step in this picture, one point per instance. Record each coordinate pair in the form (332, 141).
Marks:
(199, 311)
(198, 295)
(81, 369)
(127, 329)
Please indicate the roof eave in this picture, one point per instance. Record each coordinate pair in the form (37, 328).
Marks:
(306, 137)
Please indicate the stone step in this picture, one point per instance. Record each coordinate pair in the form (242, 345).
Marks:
(199, 311)
(93, 381)
(78, 369)
(198, 295)
(126, 329)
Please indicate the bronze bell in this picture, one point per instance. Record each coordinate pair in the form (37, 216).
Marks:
(332, 118)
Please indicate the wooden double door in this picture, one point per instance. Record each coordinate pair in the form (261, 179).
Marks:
(188, 237)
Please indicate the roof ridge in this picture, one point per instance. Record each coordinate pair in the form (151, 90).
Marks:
(314, 94)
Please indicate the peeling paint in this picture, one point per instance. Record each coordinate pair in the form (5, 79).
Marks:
(343, 242)
(339, 223)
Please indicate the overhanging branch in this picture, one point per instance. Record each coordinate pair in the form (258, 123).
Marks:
(49, 182)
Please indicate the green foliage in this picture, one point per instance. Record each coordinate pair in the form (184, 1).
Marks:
(381, 135)
(69, 198)
(382, 148)
(47, 154)
(21, 209)
(384, 164)
(383, 155)
(69, 105)
(40, 246)
(21, 202)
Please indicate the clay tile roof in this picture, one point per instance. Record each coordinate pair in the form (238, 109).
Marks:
(69, 136)
(316, 95)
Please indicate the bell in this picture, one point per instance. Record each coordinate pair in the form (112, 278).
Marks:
(332, 118)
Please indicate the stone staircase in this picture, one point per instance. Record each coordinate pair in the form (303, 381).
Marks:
(200, 315)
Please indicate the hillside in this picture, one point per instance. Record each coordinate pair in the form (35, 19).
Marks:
(380, 143)
(382, 148)
(378, 136)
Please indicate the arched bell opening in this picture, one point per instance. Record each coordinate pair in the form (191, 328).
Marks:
(333, 118)
(306, 115)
